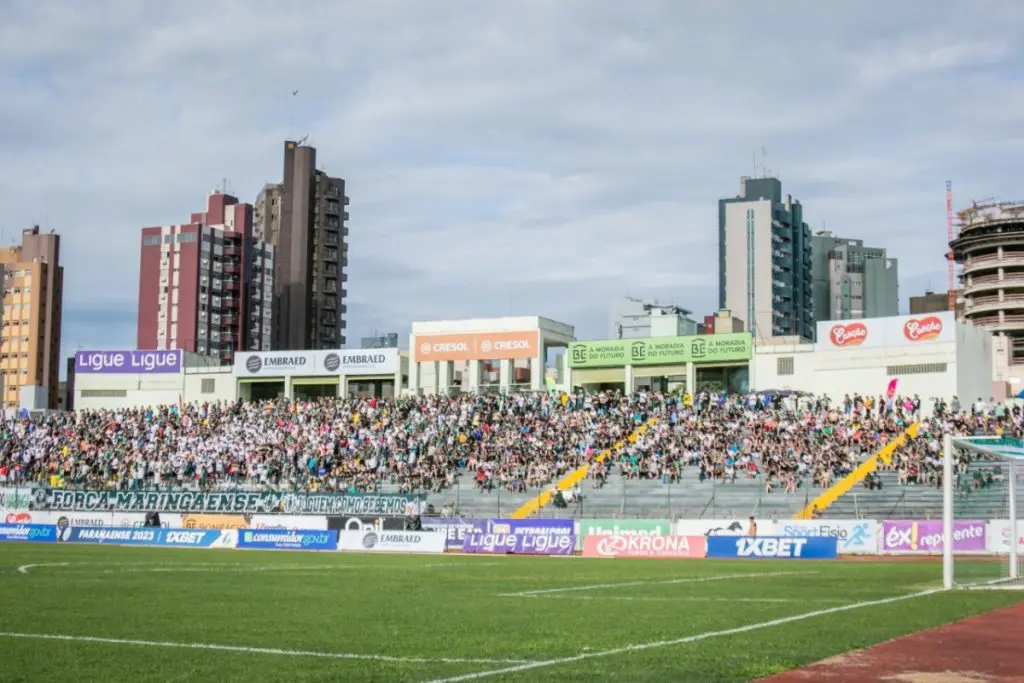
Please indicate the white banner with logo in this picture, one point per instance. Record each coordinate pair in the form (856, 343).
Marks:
(348, 362)
(85, 519)
(853, 536)
(730, 526)
(998, 539)
(393, 541)
(290, 522)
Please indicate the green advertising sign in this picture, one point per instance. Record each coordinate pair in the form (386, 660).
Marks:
(623, 527)
(704, 348)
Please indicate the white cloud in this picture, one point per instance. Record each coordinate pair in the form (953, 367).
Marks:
(551, 154)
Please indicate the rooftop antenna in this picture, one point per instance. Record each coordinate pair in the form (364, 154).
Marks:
(291, 112)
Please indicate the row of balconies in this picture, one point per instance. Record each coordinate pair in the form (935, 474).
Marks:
(989, 261)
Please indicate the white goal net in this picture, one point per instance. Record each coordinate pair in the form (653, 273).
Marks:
(983, 529)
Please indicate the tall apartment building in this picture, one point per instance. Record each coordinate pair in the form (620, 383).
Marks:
(304, 218)
(851, 280)
(206, 286)
(33, 296)
(764, 260)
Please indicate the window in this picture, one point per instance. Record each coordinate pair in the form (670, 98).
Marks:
(151, 241)
(784, 365)
(920, 369)
(208, 385)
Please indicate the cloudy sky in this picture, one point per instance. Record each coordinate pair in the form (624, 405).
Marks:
(525, 156)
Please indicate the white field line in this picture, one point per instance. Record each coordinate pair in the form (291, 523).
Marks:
(23, 569)
(626, 598)
(433, 565)
(600, 586)
(684, 640)
(263, 650)
(115, 567)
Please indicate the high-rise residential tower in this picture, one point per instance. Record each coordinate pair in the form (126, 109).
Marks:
(304, 218)
(33, 296)
(206, 286)
(764, 260)
(851, 280)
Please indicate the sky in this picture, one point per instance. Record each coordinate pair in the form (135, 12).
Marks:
(526, 157)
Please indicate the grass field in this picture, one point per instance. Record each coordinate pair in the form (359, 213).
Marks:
(277, 616)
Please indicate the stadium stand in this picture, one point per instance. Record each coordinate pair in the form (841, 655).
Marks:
(703, 455)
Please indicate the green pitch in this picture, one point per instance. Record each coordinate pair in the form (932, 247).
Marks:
(126, 614)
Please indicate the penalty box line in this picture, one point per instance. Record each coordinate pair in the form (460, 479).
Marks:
(264, 650)
(626, 584)
(684, 640)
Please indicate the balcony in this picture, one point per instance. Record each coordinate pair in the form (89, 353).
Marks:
(228, 321)
(1008, 322)
(231, 284)
(231, 252)
(231, 267)
(990, 261)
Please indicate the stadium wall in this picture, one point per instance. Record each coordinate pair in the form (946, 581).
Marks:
(373, 533)
(931, 356)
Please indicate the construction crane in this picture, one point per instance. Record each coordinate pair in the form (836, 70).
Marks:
(950, 236)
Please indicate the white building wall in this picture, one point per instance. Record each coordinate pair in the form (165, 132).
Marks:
(975, 377)
(886, 353)
(745, 266)
(198, 385)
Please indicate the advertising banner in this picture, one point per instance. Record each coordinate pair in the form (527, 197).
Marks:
(110, 535)
(362, 362)
(622, 527)
(775, 547)
(283, 539)
(897, 331)
(477, 346)
(531, 527)
(237, 502)
(729, 526)
(29, 533)
(519, 544)
(294, 522)
(128, 362)
(393, 541)
(906, 536)
(349, 362)
(343, 523)
(703, 348)
(999, 536)
(643, 545)
(455, 528)
(855, 536)
(150, 536)
(198, 538)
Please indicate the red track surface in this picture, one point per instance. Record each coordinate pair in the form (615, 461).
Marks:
(984, 649)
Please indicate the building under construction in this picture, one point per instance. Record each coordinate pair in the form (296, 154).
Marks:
(990, 247)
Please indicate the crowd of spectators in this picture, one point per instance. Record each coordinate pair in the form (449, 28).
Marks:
(516, 442)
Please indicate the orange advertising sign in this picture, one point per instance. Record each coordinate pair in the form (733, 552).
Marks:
(478, 346)
(853, 334)
(922, 329)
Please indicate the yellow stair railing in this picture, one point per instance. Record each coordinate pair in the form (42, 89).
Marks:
(531, 506)
(843, 486)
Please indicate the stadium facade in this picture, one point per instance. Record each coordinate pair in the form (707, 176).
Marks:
(932, 356)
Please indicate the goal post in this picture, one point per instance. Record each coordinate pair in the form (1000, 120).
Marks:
(981, 488)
